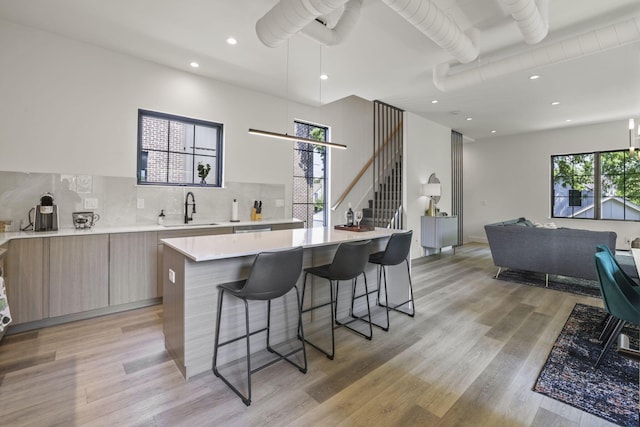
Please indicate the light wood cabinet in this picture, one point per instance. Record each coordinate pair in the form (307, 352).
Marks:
(24, 275)
(78, 274)
(287, 226)
(48, 277)
(133, 267)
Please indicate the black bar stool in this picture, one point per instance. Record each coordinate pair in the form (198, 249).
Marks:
(396, 251)
(272, 275)
(348, 263)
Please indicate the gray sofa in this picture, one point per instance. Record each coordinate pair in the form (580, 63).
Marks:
(518, 244)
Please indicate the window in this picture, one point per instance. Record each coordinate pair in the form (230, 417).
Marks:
(174, 150)
(600, 185)
(309, 177)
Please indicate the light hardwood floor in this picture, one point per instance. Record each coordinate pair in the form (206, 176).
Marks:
(469, 358)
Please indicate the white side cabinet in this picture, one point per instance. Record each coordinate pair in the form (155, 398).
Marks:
(438, 232)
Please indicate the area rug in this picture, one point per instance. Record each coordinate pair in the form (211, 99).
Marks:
(573, 285)
(609, 392)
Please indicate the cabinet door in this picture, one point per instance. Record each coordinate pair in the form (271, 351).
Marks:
(79, 274)
(133, 267)
(24, 279)
(287, 225)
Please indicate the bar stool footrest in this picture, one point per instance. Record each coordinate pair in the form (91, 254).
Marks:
(399, 309)
(356, 319)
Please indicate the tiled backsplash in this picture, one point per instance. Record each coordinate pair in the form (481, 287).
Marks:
(122, 203)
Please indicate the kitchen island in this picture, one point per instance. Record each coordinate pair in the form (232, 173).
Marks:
(193, 266)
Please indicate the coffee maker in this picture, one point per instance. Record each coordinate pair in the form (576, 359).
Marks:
(46, 214)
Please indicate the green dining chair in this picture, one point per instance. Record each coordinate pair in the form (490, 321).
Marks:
(621, 298)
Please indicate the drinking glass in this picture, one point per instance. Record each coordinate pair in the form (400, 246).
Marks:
(358, 217)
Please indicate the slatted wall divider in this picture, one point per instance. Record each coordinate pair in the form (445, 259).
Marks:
(456, 181)
(387, 166)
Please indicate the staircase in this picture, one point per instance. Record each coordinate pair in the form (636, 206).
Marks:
(385, 208)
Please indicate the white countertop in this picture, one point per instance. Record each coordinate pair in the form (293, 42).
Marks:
(206, 248)
(5, 237)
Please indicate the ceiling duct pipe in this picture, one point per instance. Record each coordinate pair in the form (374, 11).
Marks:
(595, 41)
(333, 36)
(435, 24)
(532, 18)
(288, 17)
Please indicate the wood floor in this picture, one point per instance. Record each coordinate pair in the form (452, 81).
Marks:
(469, 358)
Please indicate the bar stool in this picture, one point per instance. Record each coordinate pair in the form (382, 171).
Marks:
(348, 263)
(273, 274)
(396, 251)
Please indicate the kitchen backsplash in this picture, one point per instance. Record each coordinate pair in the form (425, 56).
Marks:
(121, 202)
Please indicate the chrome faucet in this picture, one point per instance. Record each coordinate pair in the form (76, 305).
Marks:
(188, 217)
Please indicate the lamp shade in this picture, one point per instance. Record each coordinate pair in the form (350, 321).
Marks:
(430, 190)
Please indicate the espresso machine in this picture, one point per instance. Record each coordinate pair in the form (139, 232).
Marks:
(46, 214)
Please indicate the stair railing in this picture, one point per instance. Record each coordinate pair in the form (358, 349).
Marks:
(366, 166)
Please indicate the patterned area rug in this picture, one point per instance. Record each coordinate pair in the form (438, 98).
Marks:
(573, 285)
(609, 392)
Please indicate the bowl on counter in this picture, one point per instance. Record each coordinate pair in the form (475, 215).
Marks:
(84, 220)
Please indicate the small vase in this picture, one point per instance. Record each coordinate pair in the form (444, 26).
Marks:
(203, 182)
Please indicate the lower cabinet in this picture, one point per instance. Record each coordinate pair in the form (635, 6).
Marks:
(132, 267)
(438, 232)
(24, 276)
(287, 225)
(47, 277)
(78, 274)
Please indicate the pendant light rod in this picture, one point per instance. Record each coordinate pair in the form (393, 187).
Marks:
(294, 138)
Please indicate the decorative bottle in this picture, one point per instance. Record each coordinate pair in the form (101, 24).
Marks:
(161, 217)
(349, 216)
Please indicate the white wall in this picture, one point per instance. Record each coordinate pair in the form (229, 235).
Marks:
(351, 121)
(428, 150)
(70, 107)
(510, 176)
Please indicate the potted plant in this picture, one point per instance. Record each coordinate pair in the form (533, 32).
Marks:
(203, 171)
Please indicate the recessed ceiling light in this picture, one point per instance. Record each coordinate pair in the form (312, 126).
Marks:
(568, 120)
(435, 101)
(493, 131)
(555, 103)
(469, 118)
(194, 64)
(323, 77)
(232, 41)
(534, 77)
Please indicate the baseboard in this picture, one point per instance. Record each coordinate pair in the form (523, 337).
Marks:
(477, 239)
(52, 321)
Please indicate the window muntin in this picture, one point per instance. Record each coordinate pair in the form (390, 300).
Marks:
(573, 184)
(599, 185)
(171, 147)
(620, 189)
(309, 176)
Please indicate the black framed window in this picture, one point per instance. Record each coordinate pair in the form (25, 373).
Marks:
(175, 150)
(598, 185)
(309, 175)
